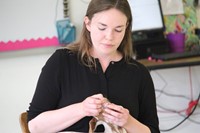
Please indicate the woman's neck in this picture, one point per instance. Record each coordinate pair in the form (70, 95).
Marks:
(106, 59)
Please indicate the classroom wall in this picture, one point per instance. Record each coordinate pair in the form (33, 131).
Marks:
(29, 24)
(22, 19)
(19, 72)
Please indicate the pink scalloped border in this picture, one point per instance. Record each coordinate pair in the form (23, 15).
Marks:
(26, 44)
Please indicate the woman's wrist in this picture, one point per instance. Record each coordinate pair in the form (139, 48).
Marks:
(128, 124)
(134, 125)
(81, 110)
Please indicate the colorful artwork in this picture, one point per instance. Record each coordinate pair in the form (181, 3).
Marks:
(186, 23)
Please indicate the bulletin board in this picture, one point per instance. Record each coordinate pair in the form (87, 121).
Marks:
(28, 24)
(185, 21)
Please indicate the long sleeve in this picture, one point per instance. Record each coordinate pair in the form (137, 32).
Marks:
(47, 91)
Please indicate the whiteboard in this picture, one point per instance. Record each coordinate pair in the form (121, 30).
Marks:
(27, 19)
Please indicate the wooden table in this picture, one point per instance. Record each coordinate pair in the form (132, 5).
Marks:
(153, 65)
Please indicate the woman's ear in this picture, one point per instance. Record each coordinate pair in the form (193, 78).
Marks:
(87, 23)
(127, 24)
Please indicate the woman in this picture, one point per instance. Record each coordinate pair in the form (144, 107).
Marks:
(76, 80)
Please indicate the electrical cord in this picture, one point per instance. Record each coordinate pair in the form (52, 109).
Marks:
(85, 1)
(187, 117)
(170, 110)
(166, 110)
(56, 11)
(172, 95)
(190, 119)
(165, 84)
(192, 105)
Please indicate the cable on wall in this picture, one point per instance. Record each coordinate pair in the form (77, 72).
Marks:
(187, 117)
(85, 1)
(65, 8)
(56, 11)
(189, 110)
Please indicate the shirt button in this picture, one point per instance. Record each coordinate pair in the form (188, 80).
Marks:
(112, 62)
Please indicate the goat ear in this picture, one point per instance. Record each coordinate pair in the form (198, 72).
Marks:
(92, 125)
(107, 127)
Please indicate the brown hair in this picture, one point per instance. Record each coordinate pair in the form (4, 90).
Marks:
(84, 44)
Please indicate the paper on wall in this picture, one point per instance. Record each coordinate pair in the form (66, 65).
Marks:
(172, 7)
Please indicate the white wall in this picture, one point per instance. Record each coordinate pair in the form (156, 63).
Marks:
(19, 72)
(77, 11)
(22, 19)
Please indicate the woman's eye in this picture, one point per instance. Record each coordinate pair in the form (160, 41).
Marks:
(101, 28)
(118, 30)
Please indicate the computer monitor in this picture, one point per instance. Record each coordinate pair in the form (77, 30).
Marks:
(148, 28)
(147, 18)
(147, 14)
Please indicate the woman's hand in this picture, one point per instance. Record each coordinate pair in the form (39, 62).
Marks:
(92, 105)
(116, 114)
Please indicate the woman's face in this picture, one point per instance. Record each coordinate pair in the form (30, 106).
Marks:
(107, 29)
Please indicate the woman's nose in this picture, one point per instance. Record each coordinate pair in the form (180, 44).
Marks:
(109, 35)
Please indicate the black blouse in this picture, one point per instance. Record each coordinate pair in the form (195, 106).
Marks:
(64, 81)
